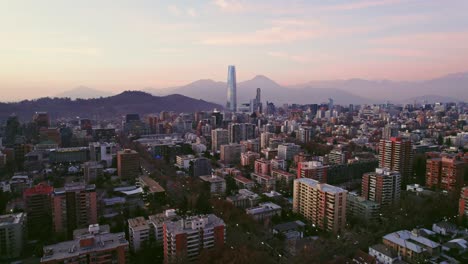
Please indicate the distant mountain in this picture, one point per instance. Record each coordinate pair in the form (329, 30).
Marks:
(271, 91)
(451, 87)
(431, 98)
(83, 93)
(106, 107)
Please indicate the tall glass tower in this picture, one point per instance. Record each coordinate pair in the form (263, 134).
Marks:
(231, 89)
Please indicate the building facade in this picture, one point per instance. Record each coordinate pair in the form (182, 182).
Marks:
(322, 204)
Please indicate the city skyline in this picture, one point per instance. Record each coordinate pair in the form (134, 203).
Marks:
(53, 46)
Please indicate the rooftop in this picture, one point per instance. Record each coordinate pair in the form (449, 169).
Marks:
(154, 187)
(263, 208)
(193, 223)
(138, 223)
(10, 219)
(411, 240)
(84, 245)
(211, 178)
(321, 186)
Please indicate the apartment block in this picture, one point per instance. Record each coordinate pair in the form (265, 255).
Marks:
(312, 170)
(94, 245)
(322, 204)
(186, 238)
(382, 186)
(13, 231)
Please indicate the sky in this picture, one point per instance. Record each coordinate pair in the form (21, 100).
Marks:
(49, 46)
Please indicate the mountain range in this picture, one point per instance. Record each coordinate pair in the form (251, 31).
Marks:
(449, 88)
(105, 107)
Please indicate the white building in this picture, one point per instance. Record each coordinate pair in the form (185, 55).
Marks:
(12, 235)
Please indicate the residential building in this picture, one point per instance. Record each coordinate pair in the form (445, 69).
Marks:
(362, 209)
(201, 166)
(128, 164)
(262, 166)
(37, 201)
(73, 206)
(312, 170)
(411, 245)
(322, 204)
(384, 254)
(396, 154)
(93, 246)
(267, 182)
(138, 232)
(338, 156)
(463, 202)
(382, 186)
(248, 158)
(217, 184)
(103, 151)
(183, 161)
(244, 199)
(238, 132)
(278, 164)
(230, 154)
(13, 231)
(186, 238)
(287, 151)
(219, 137)
(244, 183)
(284, 180)
(446, 172)
(92, 170)
(264, 211)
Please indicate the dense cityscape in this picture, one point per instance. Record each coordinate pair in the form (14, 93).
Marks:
(250, 182)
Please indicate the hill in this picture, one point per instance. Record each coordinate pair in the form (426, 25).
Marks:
(105, 107)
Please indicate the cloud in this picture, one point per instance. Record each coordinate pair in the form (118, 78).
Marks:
(191, 12)
(230, 5)
(360, 5)
(302, 58)
(264, 36)
(63, 50)
(173, 9)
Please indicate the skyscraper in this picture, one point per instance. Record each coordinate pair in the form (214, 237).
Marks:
(231, 89)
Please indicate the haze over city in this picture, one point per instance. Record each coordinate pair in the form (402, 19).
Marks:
(49, 47)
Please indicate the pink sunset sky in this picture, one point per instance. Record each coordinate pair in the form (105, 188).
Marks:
(50, 46)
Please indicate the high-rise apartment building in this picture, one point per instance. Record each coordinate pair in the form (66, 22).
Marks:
(265, 139)
(74, 206)
(312, 170)
(389, 131)
(219, 137)
(463, 202)
(128, 164)
(230, 154)
(396, 154)
(13, 232)
(231, 89)
(287, 151)
(91, 245)
(238, 132)
(186, 238)
(262, 166)
(382, 186)
(322, 204)
(445, 172)
(38, 201)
